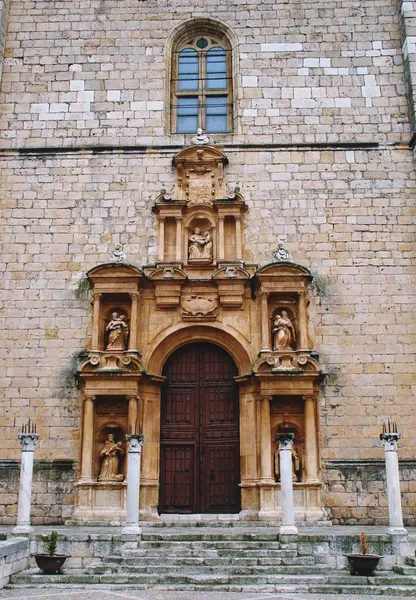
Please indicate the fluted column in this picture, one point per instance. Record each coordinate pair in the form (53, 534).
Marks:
(221, 249)
(285, 441)
(265, 441)
(238, 244)
(178, 256)
(311, 447)
(303, 322)
(133, 321)
(161, 239)
(87, 439)
(132, 414)
(95, 321)
(265, 329)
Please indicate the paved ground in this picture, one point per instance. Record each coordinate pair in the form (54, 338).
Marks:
(94, 594)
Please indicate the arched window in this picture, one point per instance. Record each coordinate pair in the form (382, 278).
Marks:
(201, 84)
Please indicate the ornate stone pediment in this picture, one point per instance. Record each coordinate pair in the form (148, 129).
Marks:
(200, 175)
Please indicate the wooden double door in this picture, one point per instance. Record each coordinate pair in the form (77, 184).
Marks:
(200, 450)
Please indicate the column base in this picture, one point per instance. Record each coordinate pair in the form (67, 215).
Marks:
(397, 530)
(288, 530)
(22, 529)
(131, 529)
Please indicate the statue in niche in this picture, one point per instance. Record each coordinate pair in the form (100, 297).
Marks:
(296, 466)
(200, 245)
(111, 457)
(118, 332)
(284, 335)
(200, 138)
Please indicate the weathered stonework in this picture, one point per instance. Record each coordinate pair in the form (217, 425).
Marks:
(320, 152)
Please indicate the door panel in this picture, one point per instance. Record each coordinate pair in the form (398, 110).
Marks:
(200, 461)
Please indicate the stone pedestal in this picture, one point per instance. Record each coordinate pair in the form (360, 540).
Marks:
(285, 441)
(390, 441)
(28, 442)
(134, 452)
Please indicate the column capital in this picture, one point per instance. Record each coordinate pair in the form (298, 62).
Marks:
(390, 441)
(134, 442)
(28, 441)
(268, 397)
(312, 397)
(285, 441)
(96, 295)
(91, 397)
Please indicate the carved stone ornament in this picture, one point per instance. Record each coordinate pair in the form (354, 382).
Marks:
(390, 441)
(200, 138)
(285, 440)
(134, 442)
(282, 254)
(112, 363)
(118, 255)
(118, 332)
(199, 306)
(284, 335)
(287, 362)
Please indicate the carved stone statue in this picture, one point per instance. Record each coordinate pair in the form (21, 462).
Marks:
(284, 335)
(118, 255)
(118, 332)
(200, 138)
(200, 245)
(111, 457)
(295, 465)
(282, 254)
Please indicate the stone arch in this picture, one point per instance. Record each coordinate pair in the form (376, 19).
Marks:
(165, 345)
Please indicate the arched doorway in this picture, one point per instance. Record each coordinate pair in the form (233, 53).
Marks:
(200, 456)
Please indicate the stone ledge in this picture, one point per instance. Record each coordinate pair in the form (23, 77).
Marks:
(39, 465)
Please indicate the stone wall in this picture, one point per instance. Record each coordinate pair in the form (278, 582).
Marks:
(357, 492)
(52, 491)
(322, 157)
(14, 557)
(93, 72)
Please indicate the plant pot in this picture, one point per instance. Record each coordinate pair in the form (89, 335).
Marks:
(50, 563)
(363, 564)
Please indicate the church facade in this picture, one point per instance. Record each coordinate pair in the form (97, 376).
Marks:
(208, 226)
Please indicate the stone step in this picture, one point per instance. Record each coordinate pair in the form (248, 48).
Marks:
(208, 536)
(203, 543)
(355, 586)
(212, 553)
(405, 570)
(227, 570)
(212, 561)
(411, 560)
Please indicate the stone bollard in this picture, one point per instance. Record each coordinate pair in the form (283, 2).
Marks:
(134, 452)
(390, 440)
(28, 442)
(285, 441)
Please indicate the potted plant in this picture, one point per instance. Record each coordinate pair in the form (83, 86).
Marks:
(50, 562)
(363, 563)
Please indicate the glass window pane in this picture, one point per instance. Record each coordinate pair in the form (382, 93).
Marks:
(188, 70)
(187, 115)
(216, 114)
(216, 66)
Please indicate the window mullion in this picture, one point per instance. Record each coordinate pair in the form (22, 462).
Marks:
(202, 92)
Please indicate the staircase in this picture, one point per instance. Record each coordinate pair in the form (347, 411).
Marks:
(223, 559)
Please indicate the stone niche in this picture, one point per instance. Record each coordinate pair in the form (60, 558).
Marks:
(200, 221)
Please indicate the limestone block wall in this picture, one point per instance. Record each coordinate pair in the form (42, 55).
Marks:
(14, 557)
(320, 151)
(344, 215)
(94, 72)
(52, 491)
